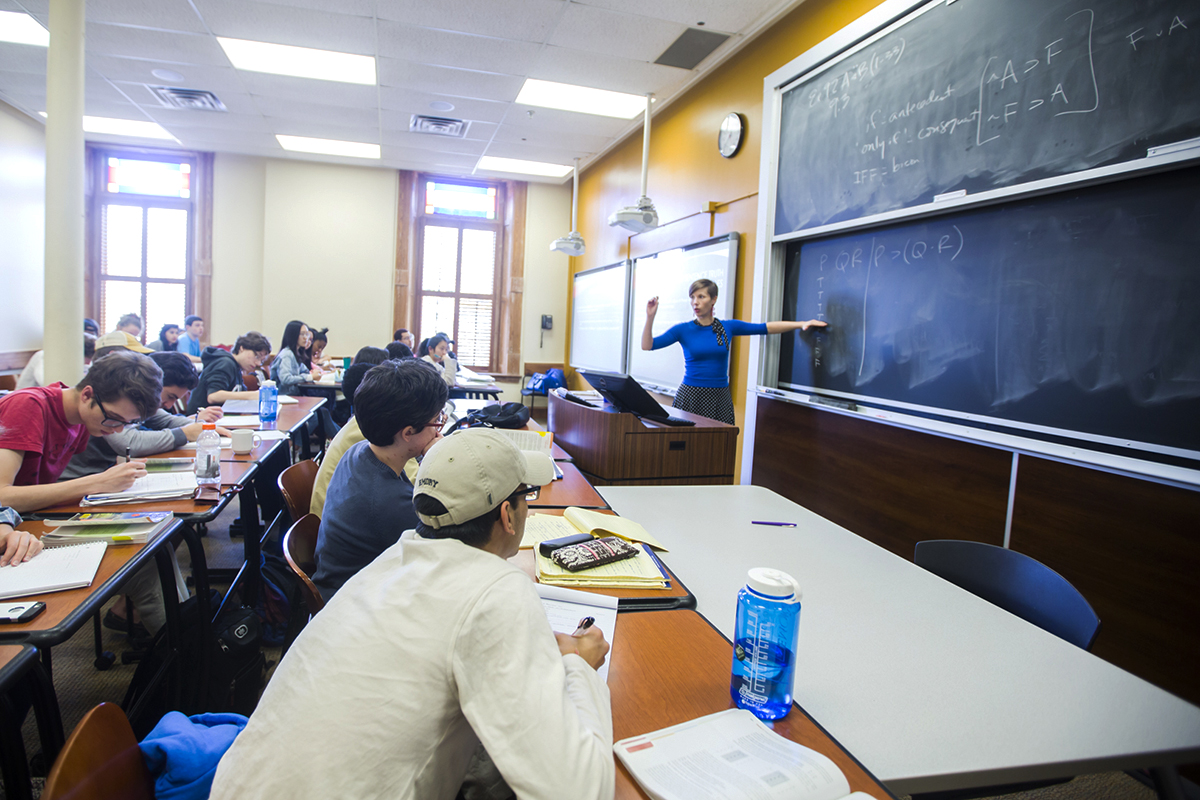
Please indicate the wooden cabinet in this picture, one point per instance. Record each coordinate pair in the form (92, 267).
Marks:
(614, 449)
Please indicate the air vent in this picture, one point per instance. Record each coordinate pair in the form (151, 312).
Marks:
(692, 47)
(189, 99)
(438, 126)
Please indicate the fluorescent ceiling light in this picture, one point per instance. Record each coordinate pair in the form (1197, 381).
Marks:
(494, 164)
(143, 129)
(299, 62)
(566, 97)
(21, 28)
(328, 147)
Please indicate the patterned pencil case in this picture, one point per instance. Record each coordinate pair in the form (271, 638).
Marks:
(595, 553)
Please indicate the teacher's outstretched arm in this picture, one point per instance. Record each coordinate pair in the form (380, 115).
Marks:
(786, 327)
(647, 332)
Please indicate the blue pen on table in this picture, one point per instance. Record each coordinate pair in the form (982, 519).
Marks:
(776, 524)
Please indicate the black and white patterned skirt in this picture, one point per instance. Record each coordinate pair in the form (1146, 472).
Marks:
(714, 402)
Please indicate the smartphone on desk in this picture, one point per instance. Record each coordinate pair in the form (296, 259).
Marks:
(16, 613)
(550, 545)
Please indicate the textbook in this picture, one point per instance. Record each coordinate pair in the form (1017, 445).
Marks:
(110, 518)
(565, 608)
(730, 755)
(151, 487)
(113, 533)
(54, 569)
(528, 441)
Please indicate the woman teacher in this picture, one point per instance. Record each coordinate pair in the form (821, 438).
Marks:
(706, 341)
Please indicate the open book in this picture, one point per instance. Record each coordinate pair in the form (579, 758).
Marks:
(150, 487)
(116, 532)
(730, 755)
(52, 570)
(566, 607)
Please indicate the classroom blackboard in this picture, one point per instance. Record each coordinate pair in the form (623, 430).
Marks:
(977, 95)
(1077, 312)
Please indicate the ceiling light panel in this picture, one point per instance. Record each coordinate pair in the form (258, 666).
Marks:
(299, 62)
(21, 28)
(142, 129)
(464, 83)
(517, 166)
(328, 147)
(581, 99)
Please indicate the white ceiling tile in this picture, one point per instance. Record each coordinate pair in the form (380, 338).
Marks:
(362, 8)
(527, 20)
(237, 103)
(399, 121)
(38, 8)
(30, 104)
(176, 48)
(231, 140)
(113, 109)
(729, 16)
(418, 156)
(169, 15)
(178, 118)
(307, 90)
(528, 152)
(600, 71)
(449, 49)
(445, 80)
(413, 101)
(424, 141)
(266, 22)
(137, 70)
(598, 30)
(550, 119)
(540, 136)
(299, 110)
(22, 58)
(325, 129)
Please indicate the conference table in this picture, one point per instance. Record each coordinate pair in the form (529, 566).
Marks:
(929, 686)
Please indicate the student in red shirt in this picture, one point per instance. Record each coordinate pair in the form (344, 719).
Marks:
(41, 428)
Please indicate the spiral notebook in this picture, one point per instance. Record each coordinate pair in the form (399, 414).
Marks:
(53, 570)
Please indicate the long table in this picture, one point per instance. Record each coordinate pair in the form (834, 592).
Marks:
(929, 686)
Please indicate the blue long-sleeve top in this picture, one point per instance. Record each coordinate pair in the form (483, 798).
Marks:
(706, 363)
(287, 372)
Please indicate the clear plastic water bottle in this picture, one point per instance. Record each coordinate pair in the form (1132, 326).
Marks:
(208, 456)
(764, 646)
(268, 401)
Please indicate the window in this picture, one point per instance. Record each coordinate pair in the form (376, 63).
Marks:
(458, 275)
(143, 222)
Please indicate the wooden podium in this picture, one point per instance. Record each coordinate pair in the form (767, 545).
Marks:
(615, 449)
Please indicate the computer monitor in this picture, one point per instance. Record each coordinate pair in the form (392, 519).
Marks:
(625, 393)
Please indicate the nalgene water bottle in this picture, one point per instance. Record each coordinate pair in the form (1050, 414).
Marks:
(764, 646)
(208, 456)
(268, 401)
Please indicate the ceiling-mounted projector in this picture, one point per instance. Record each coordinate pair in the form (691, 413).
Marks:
(639, 218)
(571, 244)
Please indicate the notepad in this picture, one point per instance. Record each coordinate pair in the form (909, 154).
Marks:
(540, 527)
(240, 421)
(150, 487)
(250, 405)
(53, 570)
(566, 607)
(529, 441)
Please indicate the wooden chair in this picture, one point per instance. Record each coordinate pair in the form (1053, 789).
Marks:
(101, 760)
(296, 483)
(1016, 583)
(300, 550)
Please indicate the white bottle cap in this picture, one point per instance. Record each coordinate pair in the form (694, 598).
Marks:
(774, 583)
(266, 384)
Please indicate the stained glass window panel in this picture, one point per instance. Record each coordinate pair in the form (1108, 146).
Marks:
(460, 201)
(478, 261)
(159, 178)
(121, 249)
(439, 261)
(166, 243)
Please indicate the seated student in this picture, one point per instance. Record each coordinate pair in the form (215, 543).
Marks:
(422, 349)
(15, 546)
(398, 350)
(168, 339)
(189, 343)
(449, 345)
(91, 326)
(437, 646)
(292, 367)
(160, 432)
(131, 324)
(320, 340)
(438, 348)
(404, 336)
(42, 428)
(221, 378)
(347, 437)
(370, 355)
(368, 503)
(34, 373)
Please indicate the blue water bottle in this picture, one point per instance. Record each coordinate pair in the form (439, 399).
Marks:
(268, 401)
(764, 645)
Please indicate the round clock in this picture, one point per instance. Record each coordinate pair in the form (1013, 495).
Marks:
(729, 139)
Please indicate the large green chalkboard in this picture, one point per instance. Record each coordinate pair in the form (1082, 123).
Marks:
(1075, 312)
(984, 94)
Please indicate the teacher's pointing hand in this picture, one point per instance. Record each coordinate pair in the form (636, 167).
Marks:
(652, 306)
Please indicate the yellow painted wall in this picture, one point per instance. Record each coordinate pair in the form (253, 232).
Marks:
(686, 172)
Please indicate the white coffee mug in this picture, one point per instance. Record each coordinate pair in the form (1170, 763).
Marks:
(245, 440)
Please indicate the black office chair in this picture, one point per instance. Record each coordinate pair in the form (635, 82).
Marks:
(1016, 583)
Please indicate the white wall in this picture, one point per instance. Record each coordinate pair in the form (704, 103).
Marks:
(547, 274)
(239, 206)
(22, 229)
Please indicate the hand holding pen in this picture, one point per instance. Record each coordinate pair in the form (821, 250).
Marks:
(587, 642)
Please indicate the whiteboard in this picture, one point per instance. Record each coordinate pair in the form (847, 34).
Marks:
(598, 316)
(668, 275)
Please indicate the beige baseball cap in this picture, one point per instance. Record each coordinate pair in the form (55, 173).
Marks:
(473, 471)
(121, 339)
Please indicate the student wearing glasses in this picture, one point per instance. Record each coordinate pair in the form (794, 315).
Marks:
(399, 409)
(221, 377)
(42, 428)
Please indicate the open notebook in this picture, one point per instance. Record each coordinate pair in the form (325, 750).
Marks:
(53, 570)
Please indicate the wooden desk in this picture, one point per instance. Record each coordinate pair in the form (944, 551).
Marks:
(669, 667)
(260, 452)
(572, 490)
(620, 449)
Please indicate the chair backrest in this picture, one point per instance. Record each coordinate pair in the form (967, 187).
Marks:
(101, 760)
(296, 483)
(1015, 582)
(300, 550)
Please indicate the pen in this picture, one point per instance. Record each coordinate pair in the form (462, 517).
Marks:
(584, 624)
(127, 458)
(776, 524)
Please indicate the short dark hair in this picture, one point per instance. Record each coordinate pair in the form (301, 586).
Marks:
(434, 341)
(352, 377)
(396, 394)
(89, 345)
(252, 340)
(399, 332)
(321, 336)
(370, 355)
(177, 369)
(398, 350)
(705, 284)
(129, 319)
(162, 337)
(190, 318)
(474, 532)
(127, 374)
